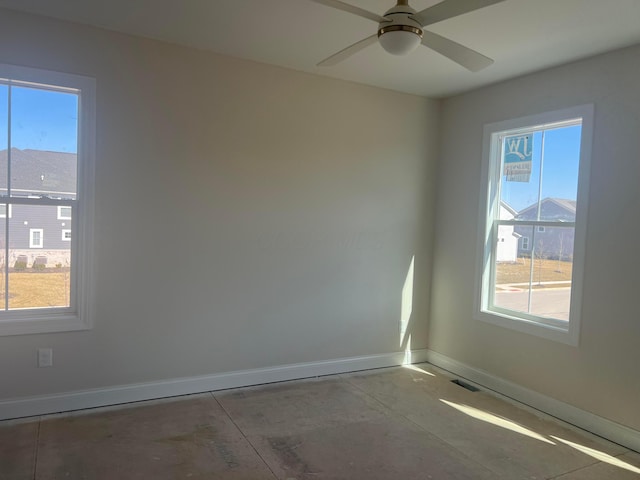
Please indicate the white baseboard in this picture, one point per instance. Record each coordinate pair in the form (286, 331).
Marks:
(64, 402)
(608, 429)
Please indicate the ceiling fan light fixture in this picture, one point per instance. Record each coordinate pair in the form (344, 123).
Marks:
(400, 31)
(400, 39)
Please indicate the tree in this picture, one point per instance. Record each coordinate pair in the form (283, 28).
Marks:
(540, 253)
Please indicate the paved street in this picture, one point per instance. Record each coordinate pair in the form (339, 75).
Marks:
(552, 302)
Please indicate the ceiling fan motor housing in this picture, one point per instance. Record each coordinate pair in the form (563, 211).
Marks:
(400, 34)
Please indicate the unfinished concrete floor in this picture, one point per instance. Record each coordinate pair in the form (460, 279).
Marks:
(396, 423)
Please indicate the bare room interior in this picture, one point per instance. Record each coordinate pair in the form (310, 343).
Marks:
(314, 239)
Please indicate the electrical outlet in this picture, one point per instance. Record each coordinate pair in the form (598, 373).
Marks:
(45, 357)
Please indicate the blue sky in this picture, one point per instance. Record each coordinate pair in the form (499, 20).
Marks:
(40, 119)
(559, 173)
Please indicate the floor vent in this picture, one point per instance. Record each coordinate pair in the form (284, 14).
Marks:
(469, 387)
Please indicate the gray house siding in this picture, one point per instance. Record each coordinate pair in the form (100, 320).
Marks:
(553, 243)
(24, 218)
(549, 242)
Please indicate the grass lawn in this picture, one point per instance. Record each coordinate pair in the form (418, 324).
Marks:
(543, 271)
(37, 289)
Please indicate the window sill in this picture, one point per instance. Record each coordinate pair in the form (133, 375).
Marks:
(559, 334)
(43, 323)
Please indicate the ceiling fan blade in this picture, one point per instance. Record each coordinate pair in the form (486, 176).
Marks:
(469, 59)
(345, 7)
(347, 52)
(448, 9)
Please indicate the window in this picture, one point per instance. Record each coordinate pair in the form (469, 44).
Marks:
(46, 175)
(3, 210)
(64, 213)
(539, 167)
(35, 237)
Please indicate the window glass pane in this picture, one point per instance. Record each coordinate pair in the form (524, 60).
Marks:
(552, 184)
(44, 140)
(3, 263)
(539, 182)
(39, 258)
(552, 269)
(4, 122)
(561, 162)
(535, 276)
(513, 268)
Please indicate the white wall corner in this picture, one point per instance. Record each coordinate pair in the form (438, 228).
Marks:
(601, 426)
(68, 401)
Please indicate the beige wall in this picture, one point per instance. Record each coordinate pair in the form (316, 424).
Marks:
(601, 375)
(291, 205)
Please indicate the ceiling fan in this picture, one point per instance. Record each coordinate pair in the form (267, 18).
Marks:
(400, 31)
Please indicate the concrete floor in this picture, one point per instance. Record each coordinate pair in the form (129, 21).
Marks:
(396, 423)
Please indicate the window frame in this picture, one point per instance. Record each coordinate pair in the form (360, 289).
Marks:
(79, 315)
(567, 332)
(32, 231)
(64, 237)
(63, 217)
(8, 208)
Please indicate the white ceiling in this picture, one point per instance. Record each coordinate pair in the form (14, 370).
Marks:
(520, 35)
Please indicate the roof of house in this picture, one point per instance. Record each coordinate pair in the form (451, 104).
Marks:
(508, 208)
(556, 209)
(39, 172)
(568, 205)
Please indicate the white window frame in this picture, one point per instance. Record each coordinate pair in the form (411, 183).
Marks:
(9, 208)
(64, 231)
(567, 332)
(525, 243)
(63, 217)
(32, 243)
(79, 315)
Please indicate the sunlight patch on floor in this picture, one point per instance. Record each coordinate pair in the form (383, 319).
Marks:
(418, 369)
(495, 420)
(598, 455)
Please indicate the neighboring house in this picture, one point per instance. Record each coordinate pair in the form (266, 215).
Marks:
(35, 230)
(549, 242)
(507, 249)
